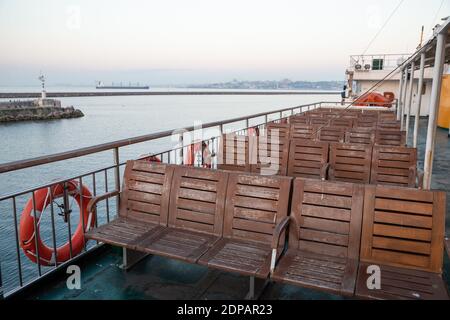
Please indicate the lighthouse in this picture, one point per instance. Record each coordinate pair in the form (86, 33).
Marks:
(43, 93)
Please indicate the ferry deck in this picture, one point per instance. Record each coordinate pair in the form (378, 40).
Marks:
(156, 277)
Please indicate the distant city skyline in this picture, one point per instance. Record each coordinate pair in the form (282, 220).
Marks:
(192, 42)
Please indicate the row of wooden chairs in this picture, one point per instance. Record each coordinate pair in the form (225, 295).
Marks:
(358, 163)
(240, 222)
(344, 122)
(377, 135)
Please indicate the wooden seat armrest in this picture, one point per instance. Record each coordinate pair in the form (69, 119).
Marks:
(93, 202)
(447, 245)
(278, 230)
(419, 175)
(276, 240)
(324, 171)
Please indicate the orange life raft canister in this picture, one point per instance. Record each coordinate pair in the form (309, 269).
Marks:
(30, 239)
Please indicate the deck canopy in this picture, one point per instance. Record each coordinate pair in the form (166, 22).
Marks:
(429, 48)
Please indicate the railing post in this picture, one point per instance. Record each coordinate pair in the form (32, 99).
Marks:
(1, 283)
(410, 94)
(405, 90)
(434, 105)
(419, 99)
(400, 94)
(181, 149)
(117, 176)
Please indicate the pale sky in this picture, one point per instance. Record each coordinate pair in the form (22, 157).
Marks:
(198, 41)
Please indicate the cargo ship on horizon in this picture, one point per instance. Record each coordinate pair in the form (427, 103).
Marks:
(101, 85)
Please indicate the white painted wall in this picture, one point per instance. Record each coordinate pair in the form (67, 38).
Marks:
(393, 86)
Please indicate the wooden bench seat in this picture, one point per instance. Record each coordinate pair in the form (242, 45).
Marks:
(395, 166)
(319, 121)
(302, 131)
(303, 119)
(360, 136)
(282, 129)
(255, 206)
(365, 123)
(271, 155)
(330, 134)
(342, 123)
(234, 153)
(144, 203)
(394, 138)
(196, 209)
(403, 234)
(308, 159)
(388, 125)
(324, 237)
(350, 162)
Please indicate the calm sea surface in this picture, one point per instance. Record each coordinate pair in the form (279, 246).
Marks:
(106, 119)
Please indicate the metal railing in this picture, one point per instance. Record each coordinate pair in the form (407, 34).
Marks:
(18, 271)
(366, 62)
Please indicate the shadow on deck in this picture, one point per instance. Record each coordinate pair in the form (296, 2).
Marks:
(160, 278)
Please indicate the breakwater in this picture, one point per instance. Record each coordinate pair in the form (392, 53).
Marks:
(31, 110)
(17, 95)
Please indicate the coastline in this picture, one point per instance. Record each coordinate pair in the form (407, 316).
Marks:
(17, 95)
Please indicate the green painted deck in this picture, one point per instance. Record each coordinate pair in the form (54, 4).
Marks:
(160, 278)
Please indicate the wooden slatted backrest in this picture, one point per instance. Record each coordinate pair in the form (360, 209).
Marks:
(330, 134)
(234, 153)
(360, 136)
(389, 125)
(390, 138)
(342, 123)
(306, 158)
(320, 121)
(327, 217)
(387, 116)
(350, 162)
(315, 114)
(348, 114)
(197, 199)
(302, 131)
(282, 129)
(394, 165)
(403, 227)
(303, 119)
(255, 205)
(330, 115)
(365, 123)
(145, 191)
(272, 153)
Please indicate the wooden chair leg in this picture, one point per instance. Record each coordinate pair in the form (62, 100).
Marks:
(131, 257)
(256, 288)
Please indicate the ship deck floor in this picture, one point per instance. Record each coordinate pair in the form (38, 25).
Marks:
(161, 278)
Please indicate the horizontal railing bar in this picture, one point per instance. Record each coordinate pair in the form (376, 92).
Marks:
(85, 174)
(27, 163)
(54, 182)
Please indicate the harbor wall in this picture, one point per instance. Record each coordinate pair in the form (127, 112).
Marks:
(26, 113)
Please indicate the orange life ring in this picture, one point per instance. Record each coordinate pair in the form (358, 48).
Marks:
(253, 131)
(30, 238)
(150, 158)
(194, 149)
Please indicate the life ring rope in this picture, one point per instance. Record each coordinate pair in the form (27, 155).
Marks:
(30, 239)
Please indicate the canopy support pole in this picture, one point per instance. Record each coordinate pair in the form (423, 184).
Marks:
(434, 105)
(400, 94)
(419, 99)
(405, 90)
(409, 103)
